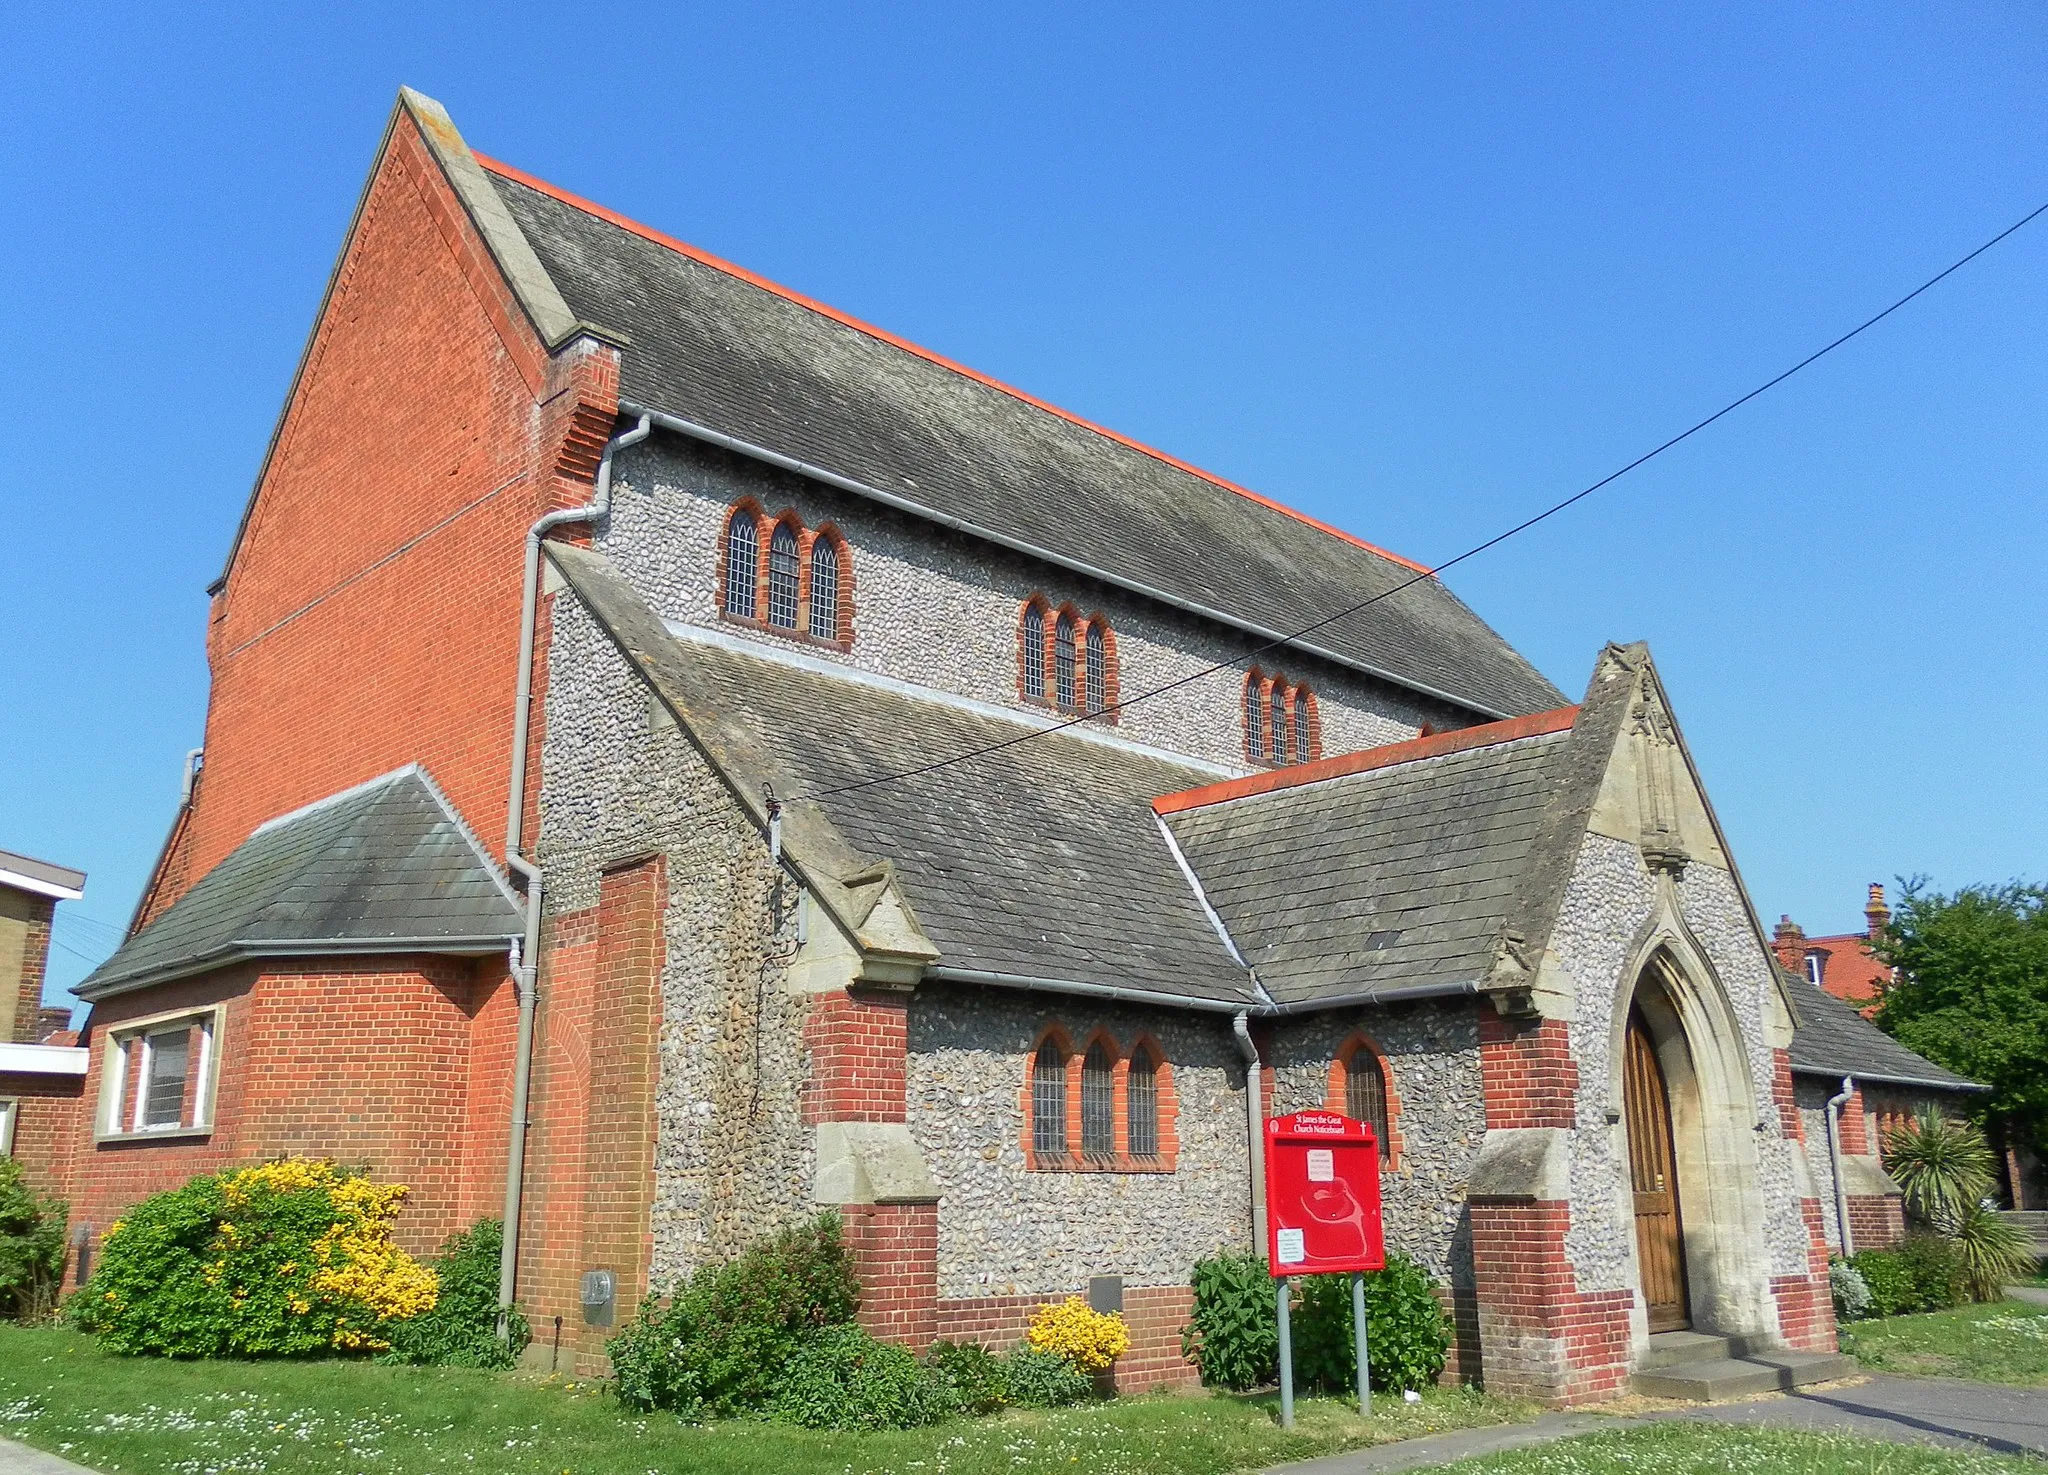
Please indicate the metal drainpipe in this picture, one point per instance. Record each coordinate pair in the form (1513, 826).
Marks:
(1254, 1123)
(524, 955)
(1835, 1104)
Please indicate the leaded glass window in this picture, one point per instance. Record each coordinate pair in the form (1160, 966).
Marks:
(825, 589)
(1301, 727)
(163, 1083)
(1031, 651)
(1279, 732)
(1063, 661)
(783, 563)
(1365, 1094)
(1141, 1105)
(742, 552)
(1098, 1102)
(1098, 667)
(1049, 1100)
(1254, 717)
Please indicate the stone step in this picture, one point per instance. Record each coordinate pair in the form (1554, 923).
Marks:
(1712, 1379)
(1667, 1349)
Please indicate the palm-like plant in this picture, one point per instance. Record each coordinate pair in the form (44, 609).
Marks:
(1943, 1167)
(1994, 1251)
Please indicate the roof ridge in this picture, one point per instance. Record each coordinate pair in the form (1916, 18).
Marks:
(352, 791)
(883, 335)
(1365, 760)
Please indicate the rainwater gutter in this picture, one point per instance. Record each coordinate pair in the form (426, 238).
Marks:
(918, 509)
(1835, 1104)
(523, 955)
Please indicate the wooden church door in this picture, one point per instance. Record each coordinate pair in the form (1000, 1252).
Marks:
(1654, 1168)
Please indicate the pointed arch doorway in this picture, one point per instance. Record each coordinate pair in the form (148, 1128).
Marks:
(1653, 1171)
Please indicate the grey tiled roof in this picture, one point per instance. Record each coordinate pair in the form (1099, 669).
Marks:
(1378, 880)
(383, 867)
(1832, 1039)
(713, 349)
(1043, 861)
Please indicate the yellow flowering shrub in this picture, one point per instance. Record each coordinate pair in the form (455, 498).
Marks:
(1089, 1339)
(288, 1258)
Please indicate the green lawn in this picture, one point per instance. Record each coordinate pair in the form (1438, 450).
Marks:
(2005, 1342)
(59, 1392)
(1719, 1449)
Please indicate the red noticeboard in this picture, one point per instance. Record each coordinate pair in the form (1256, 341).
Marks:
(1322, 1195)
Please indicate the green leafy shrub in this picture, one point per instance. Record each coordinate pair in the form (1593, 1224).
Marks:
(31, 1247)
(1942, 1166)
(842, 1378)
(1888, 1280)
(1234, 1337)
(1851, 1292)
(293, 1258)
(1937, 1270)
(462, 1328)
(977, 1377)
(1409, 1341)
(1044, 1379)
(718, 1348)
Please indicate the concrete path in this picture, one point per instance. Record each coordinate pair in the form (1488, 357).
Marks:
(19, 1459)
(2032, 1295)
(1441, 1449)
(1910, 1410)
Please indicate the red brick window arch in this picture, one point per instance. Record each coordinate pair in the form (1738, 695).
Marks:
(1362, 1088)
(1281, 722)
(1098, 1108)
(1066, 660)
(777, 576)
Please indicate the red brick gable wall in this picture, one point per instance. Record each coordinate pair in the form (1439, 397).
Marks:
(370, 615)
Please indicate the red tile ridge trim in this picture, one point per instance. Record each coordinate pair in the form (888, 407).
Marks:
(520, 176)
(1486, 735)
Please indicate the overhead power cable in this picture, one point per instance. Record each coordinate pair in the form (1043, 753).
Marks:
(1495, 541)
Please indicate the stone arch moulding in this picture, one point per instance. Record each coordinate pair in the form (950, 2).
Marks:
(1714, 1127)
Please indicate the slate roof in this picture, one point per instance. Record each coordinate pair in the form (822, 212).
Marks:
(1041, 861)
(1377, 881)
(384, 867)
(710, 346)
(1832, 1039)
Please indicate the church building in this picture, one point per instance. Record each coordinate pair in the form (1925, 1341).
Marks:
(668, 772)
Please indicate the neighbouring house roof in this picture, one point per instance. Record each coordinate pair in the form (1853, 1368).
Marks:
(1041, 862)
(1395, 877)
(386, 866)
(26, 873)
(1852, 973)
(719, 348)
(1832, 1039)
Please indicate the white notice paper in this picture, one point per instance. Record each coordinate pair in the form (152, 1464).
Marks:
(1322, 1165)
(1292, 1250)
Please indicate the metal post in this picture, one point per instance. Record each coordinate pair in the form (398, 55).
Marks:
(1358, 1325)
(1286, 1361)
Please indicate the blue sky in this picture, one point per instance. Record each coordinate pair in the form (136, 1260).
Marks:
(1416, 270)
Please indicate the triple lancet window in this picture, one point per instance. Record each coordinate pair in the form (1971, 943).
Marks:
(1065, 659)
(1281, 723)
(1099, 1109)
(779, 576)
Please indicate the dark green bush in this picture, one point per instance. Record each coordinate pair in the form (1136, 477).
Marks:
(1892, 1291)
(1235, 1335)
(1044, 1379)
(462, 1329)
(979, 1381)
(1409, 1336)
(31, 1247)
(1936, 1265)
(718, 1349)
(842, 1378)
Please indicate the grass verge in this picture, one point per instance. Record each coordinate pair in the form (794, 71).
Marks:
(2002, 1342)
(1718, 1449)
(60, 1393)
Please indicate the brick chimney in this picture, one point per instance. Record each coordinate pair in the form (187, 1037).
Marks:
(1875, 913)
(1788, 941)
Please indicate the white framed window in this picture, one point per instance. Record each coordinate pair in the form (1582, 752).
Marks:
(10, 1113)
(158, 1076)
(1816, 965)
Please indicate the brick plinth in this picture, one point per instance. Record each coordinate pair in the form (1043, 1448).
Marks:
(895, 1249)
(1155, 1315)
(1806, 1308)
(1539, 1337)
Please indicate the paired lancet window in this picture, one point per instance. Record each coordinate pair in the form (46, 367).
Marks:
(777, 575)
(1100, 1109)
(1281, 723)
(1065, 659)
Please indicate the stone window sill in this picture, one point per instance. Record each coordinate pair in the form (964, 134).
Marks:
(1120, 1163)
(166, 1134)
(780, 632)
